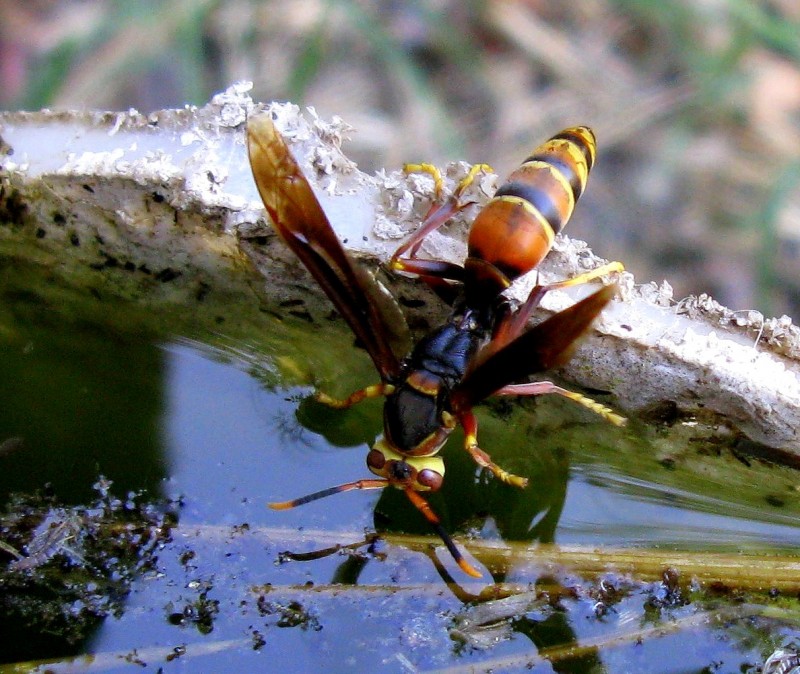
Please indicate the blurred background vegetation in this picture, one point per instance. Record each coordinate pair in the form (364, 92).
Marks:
(696, 103)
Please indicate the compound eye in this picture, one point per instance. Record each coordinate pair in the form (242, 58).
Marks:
(430, 479)
(375, 460)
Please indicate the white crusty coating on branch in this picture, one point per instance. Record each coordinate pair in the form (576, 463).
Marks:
(175, 185)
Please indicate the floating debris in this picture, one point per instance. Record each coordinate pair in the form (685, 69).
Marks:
(72, 566)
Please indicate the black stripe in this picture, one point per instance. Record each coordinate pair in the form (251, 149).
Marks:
(578, 140)
(566, 169)
(538, 198)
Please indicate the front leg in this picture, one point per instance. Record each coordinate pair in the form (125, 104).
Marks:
(470, 424)
(374, 391)
(405, 257)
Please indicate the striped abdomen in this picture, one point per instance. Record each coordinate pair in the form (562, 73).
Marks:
(515, 230)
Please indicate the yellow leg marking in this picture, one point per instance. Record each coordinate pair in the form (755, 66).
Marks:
(438, 181)
(605, 412)
(537, 388)
(485, 461)
(432, 171)
(374, 391)
(467, 180)
(610, 268)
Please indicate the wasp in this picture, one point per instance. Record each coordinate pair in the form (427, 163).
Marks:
(484, 348)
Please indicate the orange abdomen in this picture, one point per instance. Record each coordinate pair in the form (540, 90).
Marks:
(515, 230)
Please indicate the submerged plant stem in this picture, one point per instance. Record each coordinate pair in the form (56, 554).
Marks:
(734, 570)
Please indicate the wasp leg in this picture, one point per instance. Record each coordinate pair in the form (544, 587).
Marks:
(438, 181)
(424, 507)
(404, 258)
(470, 424)
(374, 391)
(512, 325)
(545, 387)
(432, 171)
(468, 179)
(603, 270)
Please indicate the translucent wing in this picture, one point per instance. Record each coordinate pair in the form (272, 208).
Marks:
(543, 347)
(300, 221)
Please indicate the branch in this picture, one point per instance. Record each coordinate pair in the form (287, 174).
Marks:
(171, 192)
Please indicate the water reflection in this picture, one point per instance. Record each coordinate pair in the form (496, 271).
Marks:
(80, 400)
(472, 501)
(226, 443)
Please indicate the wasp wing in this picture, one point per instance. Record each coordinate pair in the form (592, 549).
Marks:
(543, 347)
(300, 221)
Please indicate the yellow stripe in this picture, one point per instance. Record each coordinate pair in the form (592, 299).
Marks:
(563, 146)
(424, 382)
(541, 165)
(579, 159)
(419, 462)
(588, 137)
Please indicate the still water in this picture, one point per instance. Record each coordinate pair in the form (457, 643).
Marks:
(213, 428)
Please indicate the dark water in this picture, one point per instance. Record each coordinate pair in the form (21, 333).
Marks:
(219, 428)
